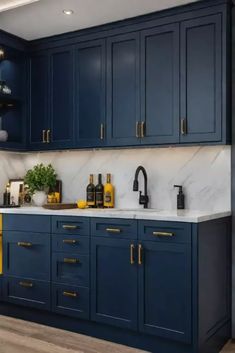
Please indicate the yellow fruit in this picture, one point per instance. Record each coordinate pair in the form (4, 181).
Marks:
(81, 204)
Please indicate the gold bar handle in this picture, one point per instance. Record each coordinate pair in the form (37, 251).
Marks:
(26, 284)
(163, 234)
(44, 136)
(183, 127)
(24, 244)
(70, 241)
(48, 136)
(137, 130)
(69, 227)
(113, 230)
(132, 258)
(70, 294)
(140, 253)
(142, 129)
(101, 131)
(70, 261)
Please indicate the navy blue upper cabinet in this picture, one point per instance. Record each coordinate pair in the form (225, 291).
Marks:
(90, 115)
(60, 134)
(123, 86)
(201, 80)
(160, 85)
(165, 290)
(39, 71)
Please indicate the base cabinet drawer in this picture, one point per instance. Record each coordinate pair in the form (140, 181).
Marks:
(70, 300)
(27, 292)
(70, 243)
(71, 268)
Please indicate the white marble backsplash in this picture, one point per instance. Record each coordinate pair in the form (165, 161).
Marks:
(204, 172)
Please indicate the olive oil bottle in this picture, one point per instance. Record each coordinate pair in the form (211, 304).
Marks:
(99, 193)
(108, 193)
(90, 192)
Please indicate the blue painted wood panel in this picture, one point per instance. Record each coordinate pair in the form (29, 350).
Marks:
(70, 225)
(114, 228)
(70, 243)
(27, 223)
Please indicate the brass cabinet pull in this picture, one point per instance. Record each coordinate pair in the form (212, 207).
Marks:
(163, 234)
(137, 130)
(132, 258)
(113, 230)
(44, 136)
(24, 244)
(70, 294)
(101, 131)
(70, 241)
(69, 227)
(26, 284)
(70, 261)
(183, 127)
(140, 253)
(142, 129)
(48, 136)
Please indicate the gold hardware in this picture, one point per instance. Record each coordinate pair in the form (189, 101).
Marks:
(183, 127)
(70, 294)
(137, 130)
(132, 249)
(69, 241)
(70, 261)
(48, 136)
(140, 252)
(26, 284)
(113, 230)
(142, 129)
(101, 131)
(69, 227)
(24, 244)
(163, 234)
(44, 136)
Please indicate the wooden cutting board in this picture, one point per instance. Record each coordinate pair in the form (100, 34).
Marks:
(60, 206)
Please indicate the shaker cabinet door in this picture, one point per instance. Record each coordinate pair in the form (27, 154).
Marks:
(201, 80)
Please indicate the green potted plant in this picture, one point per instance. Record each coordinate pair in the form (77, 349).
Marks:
(40, 179)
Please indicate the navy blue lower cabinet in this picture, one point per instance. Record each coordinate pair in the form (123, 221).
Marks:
(70, 300)
(114, 282)
(165, 290)
(26, 255)
(71, 268)
(27, 292)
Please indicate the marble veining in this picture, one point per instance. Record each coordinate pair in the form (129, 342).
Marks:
(205, 173)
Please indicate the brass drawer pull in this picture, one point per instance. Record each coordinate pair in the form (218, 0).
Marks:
(69, 241)
(70, 261)
(101, 131)
(69, 227)
(24, 244)
(70, 294)
(44, 136)
(132, 258)
(26, 284)
(48, 136)
(142, 129)
(183, 127)
(137, 130)
(163, 234)
(140, 254)
(113, 230)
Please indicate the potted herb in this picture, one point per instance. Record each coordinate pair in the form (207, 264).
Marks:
(39, 180)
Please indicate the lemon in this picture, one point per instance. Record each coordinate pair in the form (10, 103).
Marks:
(81, 204)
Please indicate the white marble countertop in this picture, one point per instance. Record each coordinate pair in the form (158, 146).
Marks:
(189, 216)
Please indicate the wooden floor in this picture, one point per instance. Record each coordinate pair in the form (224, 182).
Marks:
(17, 336)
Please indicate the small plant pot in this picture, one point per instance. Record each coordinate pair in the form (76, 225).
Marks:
(39, 198)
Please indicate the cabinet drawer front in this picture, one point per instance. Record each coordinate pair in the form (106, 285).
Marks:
(27, 223)
(114, 228)
(27, 292)
(165, 231)
(70, 225)
(26, 255)
(70, 268)
(70, 300)
(70, 243)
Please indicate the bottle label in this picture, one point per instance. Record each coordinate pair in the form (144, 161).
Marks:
(107, 197)
(91, 197)
(99, 198)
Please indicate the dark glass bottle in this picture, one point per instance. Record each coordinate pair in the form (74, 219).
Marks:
(90, 192)
(99, 193)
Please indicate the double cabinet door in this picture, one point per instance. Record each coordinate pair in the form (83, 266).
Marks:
(157, 86)
(143, 286)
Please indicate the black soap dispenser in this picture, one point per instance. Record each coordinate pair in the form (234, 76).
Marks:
(180, 198)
